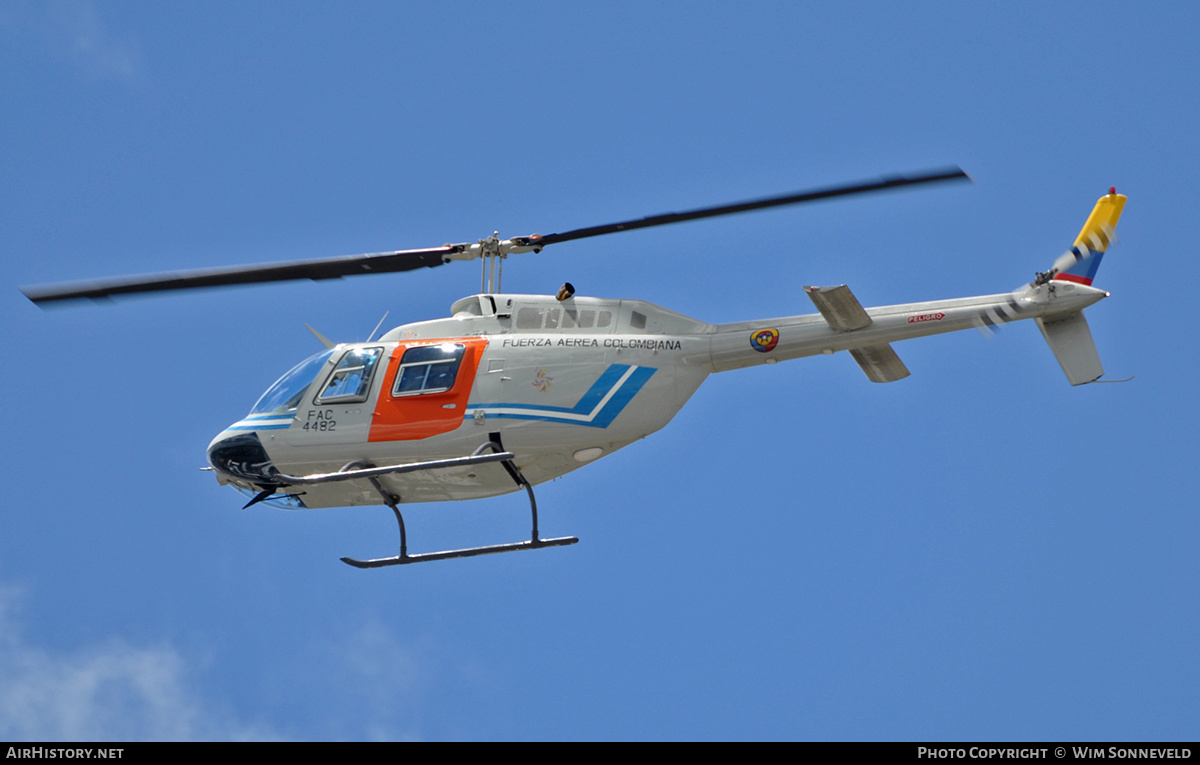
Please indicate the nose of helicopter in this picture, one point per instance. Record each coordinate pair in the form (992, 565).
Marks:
(240, 455)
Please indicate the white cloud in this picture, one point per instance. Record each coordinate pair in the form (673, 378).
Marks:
(365, 684)
(85, 37)
(114, 692)
(389, 680)
(74, 30)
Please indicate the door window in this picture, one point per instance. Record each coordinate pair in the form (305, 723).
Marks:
(351, 380)
(428, 369)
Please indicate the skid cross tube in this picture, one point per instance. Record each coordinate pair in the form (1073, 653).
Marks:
(356, 469)
(359, 470)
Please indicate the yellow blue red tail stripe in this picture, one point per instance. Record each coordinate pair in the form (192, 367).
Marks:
(1081, 262)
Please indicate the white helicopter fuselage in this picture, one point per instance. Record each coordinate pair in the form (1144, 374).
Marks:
(560, 384)
(515, 390)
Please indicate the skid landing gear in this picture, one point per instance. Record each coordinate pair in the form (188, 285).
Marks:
(357, 470)
(533, 543)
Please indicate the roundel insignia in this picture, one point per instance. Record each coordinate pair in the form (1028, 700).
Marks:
(763, 340)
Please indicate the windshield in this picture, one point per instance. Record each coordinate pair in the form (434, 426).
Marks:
(284, 396)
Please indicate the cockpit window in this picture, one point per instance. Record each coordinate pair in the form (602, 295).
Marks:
(284, 396)
(428, 369)
(351, 381)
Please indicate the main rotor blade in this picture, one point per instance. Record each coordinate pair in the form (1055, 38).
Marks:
(326, 268)
(794, 198)
(408, 260)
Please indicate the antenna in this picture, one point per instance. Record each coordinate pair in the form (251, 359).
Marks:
(371, 336)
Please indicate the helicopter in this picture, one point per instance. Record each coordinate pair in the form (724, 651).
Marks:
(513, 390)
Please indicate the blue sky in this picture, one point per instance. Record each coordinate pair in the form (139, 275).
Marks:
(977, 552)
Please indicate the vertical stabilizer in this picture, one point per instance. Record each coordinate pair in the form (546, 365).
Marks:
(1080, 263)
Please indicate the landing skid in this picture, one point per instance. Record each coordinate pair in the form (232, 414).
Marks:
(357, 470)
(468, 552)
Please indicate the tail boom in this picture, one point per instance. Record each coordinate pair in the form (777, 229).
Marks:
(738, 345)
(1055, 299)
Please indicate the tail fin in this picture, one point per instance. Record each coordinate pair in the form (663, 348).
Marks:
(1080, 263)
(1068, 335)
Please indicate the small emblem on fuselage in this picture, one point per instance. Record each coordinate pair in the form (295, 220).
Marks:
(543, 382)
(763, 340)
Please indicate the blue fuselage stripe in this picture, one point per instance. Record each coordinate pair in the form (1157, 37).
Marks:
(579, 414)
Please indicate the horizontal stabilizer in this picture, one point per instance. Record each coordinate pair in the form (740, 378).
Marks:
(842, 311)
(880, 363)
(839, 307)
(1071, 340)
